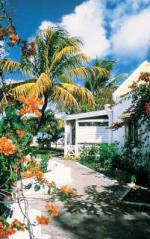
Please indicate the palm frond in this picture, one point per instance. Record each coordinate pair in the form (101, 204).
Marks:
(23, 89)
(42, 85)
(79, 93)
(99, 70)
(68, 63)
(116, 79)
(85, 72)
(66, 51)
(77, 72)
(9, 65)
(63, 96)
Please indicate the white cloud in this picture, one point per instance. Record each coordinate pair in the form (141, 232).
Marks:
(86, 22)
(2, 50)
(45, 24)
(128, 24)
(133, 36)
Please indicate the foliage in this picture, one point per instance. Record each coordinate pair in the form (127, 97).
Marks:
(9, 229)
(16, 132)
(101, 86)
(57, 61)
(51, 129)
(16, 163)
(99, 156)
(7, 29)
(139, 110)
(134, 160)
(70, 157)
(44, 163)
(129, 163)
(140, 95)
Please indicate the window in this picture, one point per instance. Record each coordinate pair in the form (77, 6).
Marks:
(132, 132)
(98, 124)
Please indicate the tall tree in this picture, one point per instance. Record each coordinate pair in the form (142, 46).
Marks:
(56, 62)
(101, 86)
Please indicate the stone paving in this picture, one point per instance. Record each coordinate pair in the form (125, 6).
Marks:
(94, 214)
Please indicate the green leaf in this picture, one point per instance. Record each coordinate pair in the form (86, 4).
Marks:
(37, 188)
(28, 186)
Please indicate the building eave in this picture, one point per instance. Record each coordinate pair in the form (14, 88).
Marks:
(86, 115)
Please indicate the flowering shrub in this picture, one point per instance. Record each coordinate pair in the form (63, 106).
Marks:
(8, 229)
(43, 220)
(116, 125)
(147, 108)
(30, 105)
(141, 98)
(15, 138)
(9, 35)
(52, 209)
(140, 107)
(7, 147)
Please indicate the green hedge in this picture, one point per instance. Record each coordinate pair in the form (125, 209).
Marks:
(100, 156)
(107, 156)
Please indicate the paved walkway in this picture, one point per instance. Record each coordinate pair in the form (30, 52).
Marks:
(95, 214)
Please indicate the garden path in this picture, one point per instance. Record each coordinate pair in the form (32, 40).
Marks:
(97, 214)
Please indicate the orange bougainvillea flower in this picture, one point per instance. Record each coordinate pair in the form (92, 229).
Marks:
(39, 175)
(28, 173)
(66, 189)
(31, 48)
(18, 225)
(34, 172)
(52, 209)
(50, 184)
(1, 224)
(20, 133)
(7, 147)
(31, 105)
(43, 220)
(2, 32)
(14, 38)
(10, 30)
(12, 228)
(26, 159)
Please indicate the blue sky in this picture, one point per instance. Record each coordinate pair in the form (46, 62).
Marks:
(110, 29)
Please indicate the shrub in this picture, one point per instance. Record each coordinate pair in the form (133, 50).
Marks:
(44, 163)
(100, 156)
(134, 160)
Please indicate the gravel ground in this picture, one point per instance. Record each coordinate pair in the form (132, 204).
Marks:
(94, 214)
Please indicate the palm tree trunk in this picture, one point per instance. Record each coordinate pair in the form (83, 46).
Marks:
(43, 113)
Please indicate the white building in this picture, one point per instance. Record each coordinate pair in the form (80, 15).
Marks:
(129, 132)
(93, 127)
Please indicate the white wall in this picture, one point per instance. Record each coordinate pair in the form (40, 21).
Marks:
(92, 134)
(118, 109)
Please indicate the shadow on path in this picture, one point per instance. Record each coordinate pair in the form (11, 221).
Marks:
(98, 215)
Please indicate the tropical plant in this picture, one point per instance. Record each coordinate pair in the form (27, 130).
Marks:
(102, 86)
(16, 163)
(56, 62)
(140, 96)
(100, 156)
(139, 110)
(51, 130)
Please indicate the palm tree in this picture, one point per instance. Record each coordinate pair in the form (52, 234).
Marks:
(57, 61)
(102, 86)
